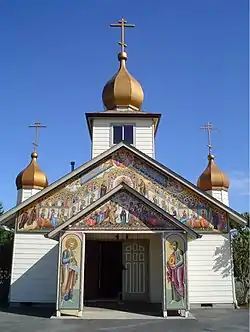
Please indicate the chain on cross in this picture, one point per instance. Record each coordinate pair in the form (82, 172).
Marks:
(36, 125)
(208, 127)
(122, 24)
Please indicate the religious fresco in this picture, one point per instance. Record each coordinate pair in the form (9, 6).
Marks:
(175, 272)
(167, 193)
(122, 212)
(70, 272)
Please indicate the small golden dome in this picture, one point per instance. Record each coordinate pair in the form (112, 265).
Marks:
(32, 177)
(123, 90)
(213, 178)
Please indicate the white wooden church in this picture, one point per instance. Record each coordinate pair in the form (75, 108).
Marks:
(122, 227)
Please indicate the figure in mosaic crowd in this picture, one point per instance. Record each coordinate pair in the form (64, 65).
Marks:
(103, 190)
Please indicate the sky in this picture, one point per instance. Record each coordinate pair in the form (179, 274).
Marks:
(190, 56)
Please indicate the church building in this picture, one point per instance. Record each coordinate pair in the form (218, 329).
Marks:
(122, 228)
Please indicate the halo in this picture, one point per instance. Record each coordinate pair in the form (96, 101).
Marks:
(69, 240)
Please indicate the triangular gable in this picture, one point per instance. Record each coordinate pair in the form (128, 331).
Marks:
(123, 209)
(125, 163)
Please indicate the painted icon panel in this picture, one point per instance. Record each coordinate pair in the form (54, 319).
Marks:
(69, 290)
(175, 272)
(123, 212)
(166, 192)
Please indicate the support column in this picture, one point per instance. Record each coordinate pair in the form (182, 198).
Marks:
(175, 291)
(80, 313)
(70, 283)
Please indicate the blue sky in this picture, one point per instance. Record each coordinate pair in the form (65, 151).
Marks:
(190, 56)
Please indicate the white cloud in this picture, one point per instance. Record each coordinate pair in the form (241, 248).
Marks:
(239, 183)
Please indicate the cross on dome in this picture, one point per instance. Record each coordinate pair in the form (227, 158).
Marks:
(122, 92)
(122, 24)
(36, 125)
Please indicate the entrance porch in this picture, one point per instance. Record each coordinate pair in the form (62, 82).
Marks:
(121, 271)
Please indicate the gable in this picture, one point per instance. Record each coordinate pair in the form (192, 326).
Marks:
(122, 166)
(173, 197)
(124, 212)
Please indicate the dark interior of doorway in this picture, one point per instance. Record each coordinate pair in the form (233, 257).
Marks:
(103, 270)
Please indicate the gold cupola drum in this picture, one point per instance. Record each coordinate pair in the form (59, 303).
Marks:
(32, 177)
(213, 178)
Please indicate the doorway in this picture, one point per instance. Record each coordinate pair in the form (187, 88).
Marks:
(111, 270)
(103, 270)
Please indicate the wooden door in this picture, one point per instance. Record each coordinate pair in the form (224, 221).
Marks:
(135, 275)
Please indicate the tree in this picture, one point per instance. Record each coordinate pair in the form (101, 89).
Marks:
(5, 236)
(246, 215)
(1, 208)
(240, 246)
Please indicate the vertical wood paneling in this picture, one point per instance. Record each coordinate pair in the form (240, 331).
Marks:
(34, 269)
(209, 270)
(144, 135)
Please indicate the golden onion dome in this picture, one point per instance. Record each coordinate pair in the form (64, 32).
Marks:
(123, 90)
(213, 178)
(32, 177)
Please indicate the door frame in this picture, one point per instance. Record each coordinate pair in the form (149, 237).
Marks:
(146, 297)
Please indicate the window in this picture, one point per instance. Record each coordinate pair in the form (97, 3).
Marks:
(123, 133)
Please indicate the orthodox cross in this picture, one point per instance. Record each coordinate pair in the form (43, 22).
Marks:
(122, 24)
(36, 125)
(208, 127)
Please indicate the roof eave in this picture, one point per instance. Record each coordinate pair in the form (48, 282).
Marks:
(91, 116)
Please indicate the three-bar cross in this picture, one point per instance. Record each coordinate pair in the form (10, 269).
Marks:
(208, 127)
(36, 125)
(122, 24)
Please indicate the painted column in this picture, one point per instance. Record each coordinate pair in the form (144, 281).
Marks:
(175, 297)
(70, 284)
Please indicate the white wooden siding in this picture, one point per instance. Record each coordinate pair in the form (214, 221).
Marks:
(144, 134)
(23, 194)
(209, 270)
(221, 195)
(34, 269)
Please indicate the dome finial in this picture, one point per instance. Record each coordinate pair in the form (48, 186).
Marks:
(123, 91)
(208, 127)
(122, 24)
(212, 177)
(32, 177)
(36, 125)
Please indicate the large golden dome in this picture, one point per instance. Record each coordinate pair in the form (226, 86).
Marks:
(123, 91)
(32, 177)
(213, 178)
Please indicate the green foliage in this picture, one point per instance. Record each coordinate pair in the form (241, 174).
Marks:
(5, 236)
(240, 246)
(246, 215)
(1, 208)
